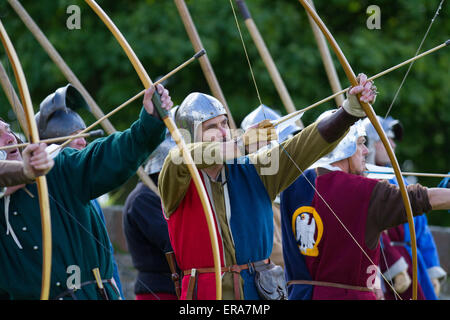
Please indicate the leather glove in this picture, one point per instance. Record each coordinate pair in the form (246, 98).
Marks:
(256, 137)
(259, 135)
(402, 281)
(436, 285)
(368, 94)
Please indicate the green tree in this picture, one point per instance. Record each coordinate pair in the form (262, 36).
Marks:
(157, 35)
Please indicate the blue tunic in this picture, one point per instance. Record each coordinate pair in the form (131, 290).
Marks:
(298, 194)
(251, 221)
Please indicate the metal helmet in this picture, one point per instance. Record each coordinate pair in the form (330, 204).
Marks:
(195, 109)
(264, 112)
(347, 146)
(391, 126)
(157, 157)
(56, 117)
(261, 113)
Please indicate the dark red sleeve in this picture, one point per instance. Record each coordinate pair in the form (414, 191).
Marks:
(386, 208)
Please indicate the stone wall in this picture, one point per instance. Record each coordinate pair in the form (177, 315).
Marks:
(113, 216)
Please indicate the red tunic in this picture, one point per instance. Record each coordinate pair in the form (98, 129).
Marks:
(339, 258)
(192, 244)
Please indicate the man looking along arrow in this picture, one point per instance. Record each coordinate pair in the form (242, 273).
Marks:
(332, 218)
(396, 244)
(241, 189)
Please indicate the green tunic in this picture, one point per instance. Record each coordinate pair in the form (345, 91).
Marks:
(80, 239)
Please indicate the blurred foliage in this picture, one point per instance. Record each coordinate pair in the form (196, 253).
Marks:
(156, 33)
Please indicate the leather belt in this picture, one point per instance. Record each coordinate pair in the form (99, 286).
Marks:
(235, 269)
(329, 284)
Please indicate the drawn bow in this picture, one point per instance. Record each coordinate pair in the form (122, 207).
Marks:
(373, 119)
(40, 181)
(146, 81)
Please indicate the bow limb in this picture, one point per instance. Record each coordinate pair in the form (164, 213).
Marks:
(373, 119)
(40, 181)
(330, 69)
(147, 82)
(266, 58)
(13, 99)
(71, 77)
(205, 64)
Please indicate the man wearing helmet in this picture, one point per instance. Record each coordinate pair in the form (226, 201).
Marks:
(332, 218)
(241, 189)
(57, 117)
(80, 240)
(258, 115)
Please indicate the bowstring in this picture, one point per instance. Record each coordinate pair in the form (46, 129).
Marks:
(382, 244)
(295, 164)
(96, 239)
(13, 95)
(412, 63)
(246, 55)
(8, 70)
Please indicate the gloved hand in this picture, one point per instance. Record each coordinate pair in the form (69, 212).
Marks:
(259, 135)
(368, 94)
(166, 100)
(436, 285)
(256, 137)
(402, 281)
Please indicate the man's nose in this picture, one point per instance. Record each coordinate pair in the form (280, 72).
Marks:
(223, 132)
(393, 144)
(365, 150)
(81, 143)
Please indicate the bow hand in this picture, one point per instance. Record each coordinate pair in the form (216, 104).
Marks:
(37, 161)
(157, 103)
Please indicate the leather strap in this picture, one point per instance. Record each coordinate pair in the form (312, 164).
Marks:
(192, 284)
(329, 284)
(235, 269)
(170, 256)
(236, 286)
(71, 292)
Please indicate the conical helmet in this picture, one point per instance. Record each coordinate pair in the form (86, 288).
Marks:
(195, 109)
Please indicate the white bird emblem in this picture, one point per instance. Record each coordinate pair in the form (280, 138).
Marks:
(305, 230)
